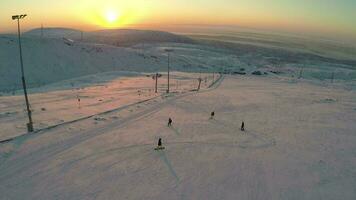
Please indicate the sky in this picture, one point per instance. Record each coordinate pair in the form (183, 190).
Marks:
(334, 18)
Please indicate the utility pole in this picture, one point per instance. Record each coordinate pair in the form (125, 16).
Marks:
(332, 77)
(301, 72)
(168, 67)
(213, 76)
(168, 71)
(156, 82)
(30, 123)
(41, 30)
(199, 79)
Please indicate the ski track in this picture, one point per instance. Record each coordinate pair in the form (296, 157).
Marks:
(254, 184)
(82, 137)
(216, 84)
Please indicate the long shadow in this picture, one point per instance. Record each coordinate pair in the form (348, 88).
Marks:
(265, 141)
(175, 130)
(164, 158)
(48, 152)
(218, 122)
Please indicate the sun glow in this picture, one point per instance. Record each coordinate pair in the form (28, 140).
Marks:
(111, 16)
(108, 18)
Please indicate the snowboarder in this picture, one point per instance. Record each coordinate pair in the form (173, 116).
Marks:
(212, 115)
(170, 122)
(159, 145)
(159, 142)
(243, 126)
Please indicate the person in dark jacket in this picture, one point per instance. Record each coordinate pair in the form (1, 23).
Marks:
(243, 126)
(212, 115)
(159, 142)
(159, 145)
(170, 122)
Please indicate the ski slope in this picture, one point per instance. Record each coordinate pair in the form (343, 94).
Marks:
(78, 98)
(61, 54)
(299, 143)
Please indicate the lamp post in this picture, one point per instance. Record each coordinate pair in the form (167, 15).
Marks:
(168, 67)
(156, 82)
(30, 123)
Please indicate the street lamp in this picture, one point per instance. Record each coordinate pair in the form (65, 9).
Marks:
(30, 123)
(168, 51)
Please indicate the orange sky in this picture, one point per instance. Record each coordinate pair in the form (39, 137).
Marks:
(324, 17)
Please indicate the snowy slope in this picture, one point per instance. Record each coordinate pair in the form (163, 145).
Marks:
(62, 55)
(57, 103)
(129, 37)
(55, 33)
(51, 60)
(59, 55)
(116, 37)
(299, 143)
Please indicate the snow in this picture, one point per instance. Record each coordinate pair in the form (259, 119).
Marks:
(117, 37)
(60, 55)
(58, 103)
(299, 117)
(299, 143)
(52, 60)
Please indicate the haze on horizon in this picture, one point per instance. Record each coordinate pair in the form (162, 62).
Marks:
(328, 18)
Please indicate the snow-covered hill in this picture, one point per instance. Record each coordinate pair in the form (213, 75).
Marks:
(298, 109)
(298, 143)
(62, 54)
(116, 37)
(49, 60)
(55, 33)
(57, 103)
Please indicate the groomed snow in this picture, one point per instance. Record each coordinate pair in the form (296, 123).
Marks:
(299, 143)
(58, 103)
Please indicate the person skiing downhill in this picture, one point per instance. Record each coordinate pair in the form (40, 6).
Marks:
(159, 145)
(170, 122)
(78, 98)
(243, 126)
(159, 142)
(212, 115)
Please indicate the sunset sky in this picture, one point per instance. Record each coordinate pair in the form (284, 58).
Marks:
(325, 17)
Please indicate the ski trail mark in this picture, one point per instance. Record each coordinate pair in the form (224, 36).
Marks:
(164, 158)
(175, 130)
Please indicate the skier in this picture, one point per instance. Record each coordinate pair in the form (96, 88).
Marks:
(170, 122)
(243, 126)
(159, 145)
(212, 115)
(78, 101)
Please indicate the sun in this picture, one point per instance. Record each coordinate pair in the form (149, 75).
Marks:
(111, 16)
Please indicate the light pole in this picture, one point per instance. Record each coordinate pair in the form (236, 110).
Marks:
(168, 71)
(41, 31)
(30, 123)
(301, 72)
(213, 76)
(168, 67)
(156, 82)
